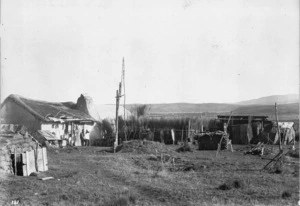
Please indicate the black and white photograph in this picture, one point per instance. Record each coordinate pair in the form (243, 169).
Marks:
(149, 102)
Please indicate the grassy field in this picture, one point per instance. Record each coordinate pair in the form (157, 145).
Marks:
(94, 176)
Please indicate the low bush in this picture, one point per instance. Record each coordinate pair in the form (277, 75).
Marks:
(286, 195)
(230, 184)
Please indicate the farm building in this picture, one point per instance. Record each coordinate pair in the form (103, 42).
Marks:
(253, 129)
(65, 120)
(51, 121)
(243, 128)
(19, 153)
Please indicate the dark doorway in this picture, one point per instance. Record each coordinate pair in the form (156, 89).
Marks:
(18, 167)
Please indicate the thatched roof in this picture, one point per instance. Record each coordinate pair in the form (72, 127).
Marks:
(43, 110)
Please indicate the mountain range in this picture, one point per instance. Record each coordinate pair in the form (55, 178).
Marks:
(270, 100)
(288, 107)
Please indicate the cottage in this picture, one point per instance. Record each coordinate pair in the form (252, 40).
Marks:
(65, 120)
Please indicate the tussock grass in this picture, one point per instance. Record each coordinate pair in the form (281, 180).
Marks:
(286, 195)
(232, 184)
(133, 179)
(118, 201)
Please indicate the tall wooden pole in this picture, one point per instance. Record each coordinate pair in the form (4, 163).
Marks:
(117, 115)
(123, 79)
(278, 131)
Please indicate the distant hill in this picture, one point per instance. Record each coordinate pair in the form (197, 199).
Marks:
(270, 100)
(188, 108)
(288, 107)
(285, 111)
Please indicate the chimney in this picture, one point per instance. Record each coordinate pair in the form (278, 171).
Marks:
(85, 103)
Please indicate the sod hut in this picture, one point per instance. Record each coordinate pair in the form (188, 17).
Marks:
(19, 152)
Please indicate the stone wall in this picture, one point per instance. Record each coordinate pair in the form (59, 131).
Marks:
(8, 144)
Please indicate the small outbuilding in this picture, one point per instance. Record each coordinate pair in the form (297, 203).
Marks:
(20, 154)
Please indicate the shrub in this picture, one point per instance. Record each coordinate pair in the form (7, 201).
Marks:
(237, 184)
(132, 198)
(286, 195)
(224, 187)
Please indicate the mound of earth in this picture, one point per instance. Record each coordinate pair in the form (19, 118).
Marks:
(143, 147)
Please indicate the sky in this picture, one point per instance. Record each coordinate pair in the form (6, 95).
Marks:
(196, 51)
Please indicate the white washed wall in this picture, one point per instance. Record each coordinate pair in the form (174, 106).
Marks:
(58, 129)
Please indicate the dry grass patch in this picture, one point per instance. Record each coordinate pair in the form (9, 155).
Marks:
(91, 177)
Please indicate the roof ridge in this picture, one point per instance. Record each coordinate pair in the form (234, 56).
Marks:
(17, 96)
(17, 99)
(31, 105)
